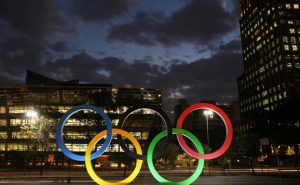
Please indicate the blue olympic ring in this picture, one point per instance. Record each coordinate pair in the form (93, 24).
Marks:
(62, 122)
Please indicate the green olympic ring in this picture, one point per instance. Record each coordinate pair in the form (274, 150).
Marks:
(152, 169)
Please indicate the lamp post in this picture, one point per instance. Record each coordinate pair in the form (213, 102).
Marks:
(30, 115)
(207, 113)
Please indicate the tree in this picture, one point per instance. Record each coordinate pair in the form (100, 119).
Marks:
(246, 145)
(38, 131)
(171, 154)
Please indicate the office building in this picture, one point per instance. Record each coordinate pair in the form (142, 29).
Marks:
(270, 34)
(22, 105)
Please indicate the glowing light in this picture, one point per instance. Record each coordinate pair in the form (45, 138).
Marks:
(32, 114)
(208, 113)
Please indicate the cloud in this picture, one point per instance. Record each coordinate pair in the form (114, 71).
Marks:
(101, 10)
(233, 46)
(60, 46)
(8, 81)
(205, 79)
(36, 18)
(200, 22)
(20, 53)
(197, 21)
(213, 78)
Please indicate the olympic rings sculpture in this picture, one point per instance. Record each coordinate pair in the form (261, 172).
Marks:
(108, 133)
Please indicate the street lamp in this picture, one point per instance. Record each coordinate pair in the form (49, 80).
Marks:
(207, 114)
(32, 114)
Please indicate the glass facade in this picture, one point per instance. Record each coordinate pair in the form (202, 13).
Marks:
(16, 103)
(270, 32)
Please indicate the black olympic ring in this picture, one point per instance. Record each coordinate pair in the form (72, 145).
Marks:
(159, 152)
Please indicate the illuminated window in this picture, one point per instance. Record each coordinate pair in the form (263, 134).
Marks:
(2, 122)
(75, 135)
(258, 47)
(145, 135)
(293, 40)
(292, 30)
(20, 109)
(3, 135)
(114, 148)
(285, 39)
(258, 38)
(295, 47)
(15, 122)
(2, 147)
(2, 110)
(20, 135)
(296, 6)
(76, 147)
(64, 109)
(264, 93)
(265, 102)
(288, 6)
(16, 147)
(286, 47)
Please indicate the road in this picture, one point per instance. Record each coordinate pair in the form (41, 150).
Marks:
(203, 180)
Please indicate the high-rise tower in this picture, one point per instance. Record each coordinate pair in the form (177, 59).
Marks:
(270, 33)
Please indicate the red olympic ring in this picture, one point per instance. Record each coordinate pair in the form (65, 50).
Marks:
(229, 131)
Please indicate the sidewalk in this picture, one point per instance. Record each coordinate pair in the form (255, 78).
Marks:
(81, 174)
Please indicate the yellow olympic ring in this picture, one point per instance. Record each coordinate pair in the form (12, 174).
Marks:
(91, 146)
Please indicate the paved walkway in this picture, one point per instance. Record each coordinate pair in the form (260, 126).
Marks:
(202, 180)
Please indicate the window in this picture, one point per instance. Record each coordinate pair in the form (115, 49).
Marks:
(2, 110)
(2, 147)
(145, 135)
(2, 122)
(295, 47)
(288, 6)
(293, 40)
(16, 122)
(264, 93)
(20, 135)
(3, 135)
(265, 101)
(258, 38)
(292, 30)
(285, 39)
(19, 109)
(258, 46)
(286, 47)
(296, 6)
(16, 147)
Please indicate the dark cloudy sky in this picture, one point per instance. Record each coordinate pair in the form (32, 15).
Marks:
(189, 48)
